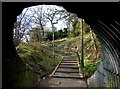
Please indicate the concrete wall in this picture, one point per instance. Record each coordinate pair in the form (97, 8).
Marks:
(108, 72)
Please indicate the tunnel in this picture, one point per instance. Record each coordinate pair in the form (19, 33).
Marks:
(104, 19)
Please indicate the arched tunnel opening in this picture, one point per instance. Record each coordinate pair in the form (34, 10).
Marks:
(105, 25)
(31, 32)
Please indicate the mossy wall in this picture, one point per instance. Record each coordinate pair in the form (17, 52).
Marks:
(26, 78)
(16, 74)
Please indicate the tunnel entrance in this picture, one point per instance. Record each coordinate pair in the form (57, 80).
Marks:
(107, 30)
(43, 31)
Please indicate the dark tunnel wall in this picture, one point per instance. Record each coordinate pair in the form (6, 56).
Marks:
(108, 72)
(103, 18)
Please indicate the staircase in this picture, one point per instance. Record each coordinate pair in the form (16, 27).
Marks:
(67, 68)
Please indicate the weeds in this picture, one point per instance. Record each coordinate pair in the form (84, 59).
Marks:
(37, 57)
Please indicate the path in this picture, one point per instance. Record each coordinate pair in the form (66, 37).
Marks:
(66, 74)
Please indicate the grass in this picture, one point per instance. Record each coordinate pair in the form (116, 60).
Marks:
(50, 64)
(41, 53)
(90, 67)
(59, 45)
(69, 40)
(38, 57)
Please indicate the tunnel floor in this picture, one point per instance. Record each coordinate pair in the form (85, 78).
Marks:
(62, 82)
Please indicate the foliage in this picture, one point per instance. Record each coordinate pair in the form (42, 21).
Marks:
(49, 36)
(74, 33)
(90, 68)
(35, 16)
(37, 54)
(20, 26)
(37, 57)
(35, 35)
(57, 34)
(61, 33)
(91, 60)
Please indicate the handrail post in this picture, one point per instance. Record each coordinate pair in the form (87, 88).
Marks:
(53, 28)
(82, 51)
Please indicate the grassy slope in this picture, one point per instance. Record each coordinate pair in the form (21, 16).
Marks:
(90, 66)
(62, 45)
(38, 58)
(40, 54)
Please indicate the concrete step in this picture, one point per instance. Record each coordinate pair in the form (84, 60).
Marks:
(69, 67)
(66, 74)
(72, 77)
(69, 61)
(67, 70)
(57, 71)
(68, 64)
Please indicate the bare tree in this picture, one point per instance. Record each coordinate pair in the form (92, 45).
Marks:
(22, 24)
(18, 31)
(38, 16)
(35, 35)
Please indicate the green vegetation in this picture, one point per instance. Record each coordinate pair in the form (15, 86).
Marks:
(90, 67)
(37, 54)
(92, 51)
(60, 46)
(38, 57)
(58, 34)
